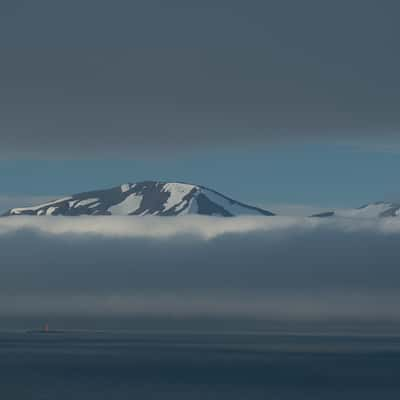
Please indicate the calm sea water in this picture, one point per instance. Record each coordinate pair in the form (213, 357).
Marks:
(204, 366)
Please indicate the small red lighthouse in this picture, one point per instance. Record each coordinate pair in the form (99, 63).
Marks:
(46, 328)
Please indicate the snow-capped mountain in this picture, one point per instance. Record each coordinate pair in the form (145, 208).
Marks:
(145, 198)
(373, 210)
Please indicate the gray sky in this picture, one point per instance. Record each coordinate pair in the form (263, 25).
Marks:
(87, 79)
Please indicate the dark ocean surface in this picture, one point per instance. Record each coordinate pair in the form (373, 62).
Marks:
(197, 366)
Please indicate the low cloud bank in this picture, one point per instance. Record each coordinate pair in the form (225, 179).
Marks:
(283, 268)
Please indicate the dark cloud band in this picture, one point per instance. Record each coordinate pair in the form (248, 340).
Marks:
(219, 74)
(285, 269)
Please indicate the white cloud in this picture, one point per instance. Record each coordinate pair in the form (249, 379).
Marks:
(200, 226)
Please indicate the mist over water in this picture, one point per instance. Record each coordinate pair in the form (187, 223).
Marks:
(288, 270)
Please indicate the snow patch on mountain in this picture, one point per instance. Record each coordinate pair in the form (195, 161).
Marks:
(371, 210)
(127, 206)
(23, 210)
(177, 193)
(145, 198)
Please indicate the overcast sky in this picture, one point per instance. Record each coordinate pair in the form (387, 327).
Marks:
(167, 84)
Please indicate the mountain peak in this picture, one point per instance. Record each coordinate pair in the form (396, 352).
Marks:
(378, 209)
(145, 198)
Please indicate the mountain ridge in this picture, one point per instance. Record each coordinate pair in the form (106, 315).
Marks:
(378, 209)
(163, 198)
(159, 198)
